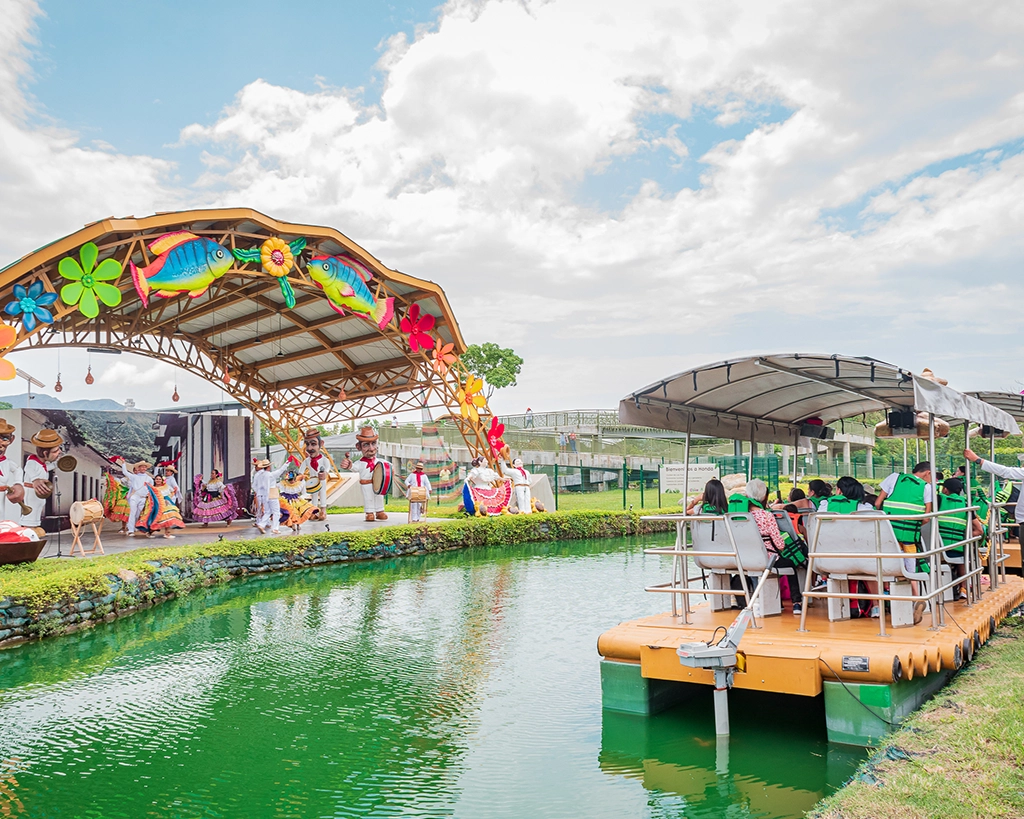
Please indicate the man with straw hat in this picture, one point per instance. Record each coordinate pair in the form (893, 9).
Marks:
(12, 492)
(138, 480)
(419, 480)
(268, 495)
(37, 474)
(366, 443)
(315, 465)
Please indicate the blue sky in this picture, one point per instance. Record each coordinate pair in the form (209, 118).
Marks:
(163, 64)
(868, 198)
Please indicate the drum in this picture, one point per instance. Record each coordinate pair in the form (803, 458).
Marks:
(313, 485)
(382, 478)
(90, 511)
(417, 494)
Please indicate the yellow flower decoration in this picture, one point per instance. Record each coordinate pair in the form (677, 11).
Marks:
(469, 398)
(276, 256)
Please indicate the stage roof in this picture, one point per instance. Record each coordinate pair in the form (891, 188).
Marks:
(306, 357)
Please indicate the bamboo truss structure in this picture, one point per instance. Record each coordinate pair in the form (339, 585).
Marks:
(290, 367)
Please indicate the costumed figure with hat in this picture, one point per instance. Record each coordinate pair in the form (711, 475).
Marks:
(374, 474)
(170, 471)
(12, 489)
(159, 511)
(115, 501)
(268, 496)
(139, 482)
(520, 486)
(296, 508)
(315, 466)
(485, 491)
(213, 500)
(37, 474)
(418, 492)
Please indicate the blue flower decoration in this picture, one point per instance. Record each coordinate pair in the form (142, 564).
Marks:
(31, 305)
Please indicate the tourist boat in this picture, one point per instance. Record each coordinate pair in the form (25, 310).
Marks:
(871, 672)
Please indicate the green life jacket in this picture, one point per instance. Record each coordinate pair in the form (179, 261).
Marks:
(907, 498)
(980, 499)
(952, 520)
(708, 509)
(1003, 495)
(842, 505)
(741, 503)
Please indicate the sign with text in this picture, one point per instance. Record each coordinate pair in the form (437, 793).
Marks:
(674, 475)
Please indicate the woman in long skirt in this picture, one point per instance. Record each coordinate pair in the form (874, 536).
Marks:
(115, 502)
(296, 508)
(160, 513)
(213, 500)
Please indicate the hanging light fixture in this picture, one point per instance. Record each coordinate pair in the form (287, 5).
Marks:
(57, 387)
(88, 376)
(175, 398)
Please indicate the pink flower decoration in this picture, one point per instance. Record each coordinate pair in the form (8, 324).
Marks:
(417, 327)
(494, 435)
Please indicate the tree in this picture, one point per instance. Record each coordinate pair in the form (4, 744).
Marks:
(497, 366)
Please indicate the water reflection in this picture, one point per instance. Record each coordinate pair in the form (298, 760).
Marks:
(776, 764)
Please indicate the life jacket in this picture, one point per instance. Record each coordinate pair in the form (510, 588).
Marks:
(708, 509)
(1008, 493)
(842, 505)
(952, 520)
(739, 503)
(907, 498)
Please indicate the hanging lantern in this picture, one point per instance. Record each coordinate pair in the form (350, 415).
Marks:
(226, 377)
(341, 394)
(58, 386)
(88, 376)
(175, 398)
(274, 404)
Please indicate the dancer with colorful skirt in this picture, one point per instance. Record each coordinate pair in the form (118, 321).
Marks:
(115, 502)
(159, 512)
(296, 508)
(213, 500)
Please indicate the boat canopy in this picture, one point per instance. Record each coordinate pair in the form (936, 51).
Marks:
(1009, 402)
(770, 398)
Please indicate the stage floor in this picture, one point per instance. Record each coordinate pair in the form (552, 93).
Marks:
(195, 533)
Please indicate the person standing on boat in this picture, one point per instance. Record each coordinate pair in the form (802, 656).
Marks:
(1007, 473)
(12, 489)
(138, 480)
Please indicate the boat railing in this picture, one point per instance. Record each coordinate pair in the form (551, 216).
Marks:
(997, 534)
(932, 590)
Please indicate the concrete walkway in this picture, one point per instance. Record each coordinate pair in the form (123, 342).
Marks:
(195, 533)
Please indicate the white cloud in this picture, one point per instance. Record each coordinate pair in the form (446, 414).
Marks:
(467, 171)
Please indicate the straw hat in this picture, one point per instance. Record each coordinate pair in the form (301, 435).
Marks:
(47, 439)
(367, 435)
(312, 432)
(5, 428)
(170, 469)
(145, 464)
(262, 463)
(419, 464)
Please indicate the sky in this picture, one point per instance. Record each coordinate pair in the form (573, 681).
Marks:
(618, 193)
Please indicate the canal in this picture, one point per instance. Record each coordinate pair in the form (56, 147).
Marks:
(464, 684)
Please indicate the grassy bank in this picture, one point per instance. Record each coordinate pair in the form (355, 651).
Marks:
(960, 756)
(47, 584)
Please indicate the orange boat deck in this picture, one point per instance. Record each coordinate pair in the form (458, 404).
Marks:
(780, 658)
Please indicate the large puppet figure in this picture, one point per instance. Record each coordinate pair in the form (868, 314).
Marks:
(373, 497)
(37, 474)
(12, 492)
(315, 465)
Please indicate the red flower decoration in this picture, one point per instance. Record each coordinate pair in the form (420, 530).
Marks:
(417, 327)
(494, 435)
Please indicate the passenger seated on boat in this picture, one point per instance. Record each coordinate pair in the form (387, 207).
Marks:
(902, 494)
(818, 491)
(712, 501)
(953, 526)
(768, 526)
(851, 499)
(797, 498)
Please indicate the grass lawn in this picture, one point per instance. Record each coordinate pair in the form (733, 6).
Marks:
(960, 756)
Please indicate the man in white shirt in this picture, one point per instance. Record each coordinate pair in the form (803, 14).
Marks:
(138, 480)
(169, 472)
(268, 496)
(366, 443)
(419, 480)
(1007, 473)
(521, 486)
(12, 492)
(315, 466)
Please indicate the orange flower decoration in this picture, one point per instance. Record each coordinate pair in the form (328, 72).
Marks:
(8, 335)
(444, 356)
(469, 398)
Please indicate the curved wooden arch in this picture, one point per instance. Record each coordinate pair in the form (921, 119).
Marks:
(290, 367)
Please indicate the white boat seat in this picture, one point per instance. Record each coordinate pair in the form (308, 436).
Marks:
(713, 536)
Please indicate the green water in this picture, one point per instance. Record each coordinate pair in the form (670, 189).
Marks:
(463, 684)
